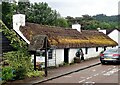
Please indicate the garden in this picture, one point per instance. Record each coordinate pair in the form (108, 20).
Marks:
(16, 64)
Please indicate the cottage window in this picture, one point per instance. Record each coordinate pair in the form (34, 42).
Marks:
(50, 54)
(86, 50)
(96, 49)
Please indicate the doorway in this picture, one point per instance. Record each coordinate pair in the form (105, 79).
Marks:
(66, 55)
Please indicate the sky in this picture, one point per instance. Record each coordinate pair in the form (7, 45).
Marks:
(77, 8)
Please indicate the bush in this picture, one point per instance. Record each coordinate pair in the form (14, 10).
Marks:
(20, 73)
(20, 62)
(35, 74)
(7, 73)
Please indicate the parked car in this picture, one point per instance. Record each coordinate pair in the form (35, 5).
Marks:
(110, 55)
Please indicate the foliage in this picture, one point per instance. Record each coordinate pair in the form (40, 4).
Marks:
(39, 13)
(7, 73)
(19, 60)
(8, 11)
(94, 22)
(23, 7)
(35, 73)
(16, 42)
(61, 22)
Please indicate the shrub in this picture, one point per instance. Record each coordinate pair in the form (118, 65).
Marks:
(20, 62)
(35, 73)
(7, 73)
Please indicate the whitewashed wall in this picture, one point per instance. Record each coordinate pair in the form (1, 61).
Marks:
(115, 35)
(59, 56)
(72, 53)
(92, 52)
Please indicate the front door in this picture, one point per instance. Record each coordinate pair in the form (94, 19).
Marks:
(66, 55)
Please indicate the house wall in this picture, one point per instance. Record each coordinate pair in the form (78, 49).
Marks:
(72, 53)
(59, 56)
(115, 35)
(91, 52)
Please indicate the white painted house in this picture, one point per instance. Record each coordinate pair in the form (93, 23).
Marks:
(64, 42)
(113, 34)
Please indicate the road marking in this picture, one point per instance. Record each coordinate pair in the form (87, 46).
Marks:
(109, 68)
(89, 77)
(90, 82)
(103, 71)
(94, 70)
(81, 81)
(111, 72)
(96, 74)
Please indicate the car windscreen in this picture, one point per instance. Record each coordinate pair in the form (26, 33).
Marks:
(111, 51)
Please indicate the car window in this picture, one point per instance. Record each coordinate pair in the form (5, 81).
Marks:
(111, 50)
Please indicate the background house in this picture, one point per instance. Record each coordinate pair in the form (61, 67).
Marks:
(113, 34)
(64, 42)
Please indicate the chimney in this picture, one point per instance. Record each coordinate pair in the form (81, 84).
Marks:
(77, 27)
(104, 31)
(19, 20)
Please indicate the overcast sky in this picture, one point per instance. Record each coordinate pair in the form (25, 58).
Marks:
(76, 8)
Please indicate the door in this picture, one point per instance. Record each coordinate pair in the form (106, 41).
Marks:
(66, 55)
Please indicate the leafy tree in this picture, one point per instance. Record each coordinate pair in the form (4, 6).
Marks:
(41, 13)
(23, 7)
(61, 22)
(8, 9)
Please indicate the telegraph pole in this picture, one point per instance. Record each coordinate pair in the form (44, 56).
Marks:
(45, 56)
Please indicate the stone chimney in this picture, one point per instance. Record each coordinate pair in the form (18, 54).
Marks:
(19, 20)
(77, 27)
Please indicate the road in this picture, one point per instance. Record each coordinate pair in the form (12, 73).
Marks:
(96, 74)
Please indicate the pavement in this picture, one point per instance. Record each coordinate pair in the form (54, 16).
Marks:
(59, 71)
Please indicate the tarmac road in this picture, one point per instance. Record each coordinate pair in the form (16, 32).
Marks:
(96, 74)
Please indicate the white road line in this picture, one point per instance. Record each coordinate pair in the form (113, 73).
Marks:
(96, 74)
(109, 68)
(103, 71)
(81, 81)
(89, 77)
(111, 72)
(94, 70)
(90, 82)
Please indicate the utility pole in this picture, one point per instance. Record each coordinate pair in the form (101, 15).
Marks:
(45, 56)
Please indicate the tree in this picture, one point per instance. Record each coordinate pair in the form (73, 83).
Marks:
(41, 13)
(8, 9)
(23, 7)
(61, 22)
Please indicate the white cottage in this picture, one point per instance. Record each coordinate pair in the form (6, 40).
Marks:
(64, 42)
(113, 34)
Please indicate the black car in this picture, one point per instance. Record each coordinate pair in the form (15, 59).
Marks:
(110, 55)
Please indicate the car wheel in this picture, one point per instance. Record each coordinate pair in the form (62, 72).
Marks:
(102, 62)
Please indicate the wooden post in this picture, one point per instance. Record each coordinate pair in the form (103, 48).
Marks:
(35, 60)
(45, 56)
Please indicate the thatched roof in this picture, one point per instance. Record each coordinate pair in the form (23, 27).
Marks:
(67, 38)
